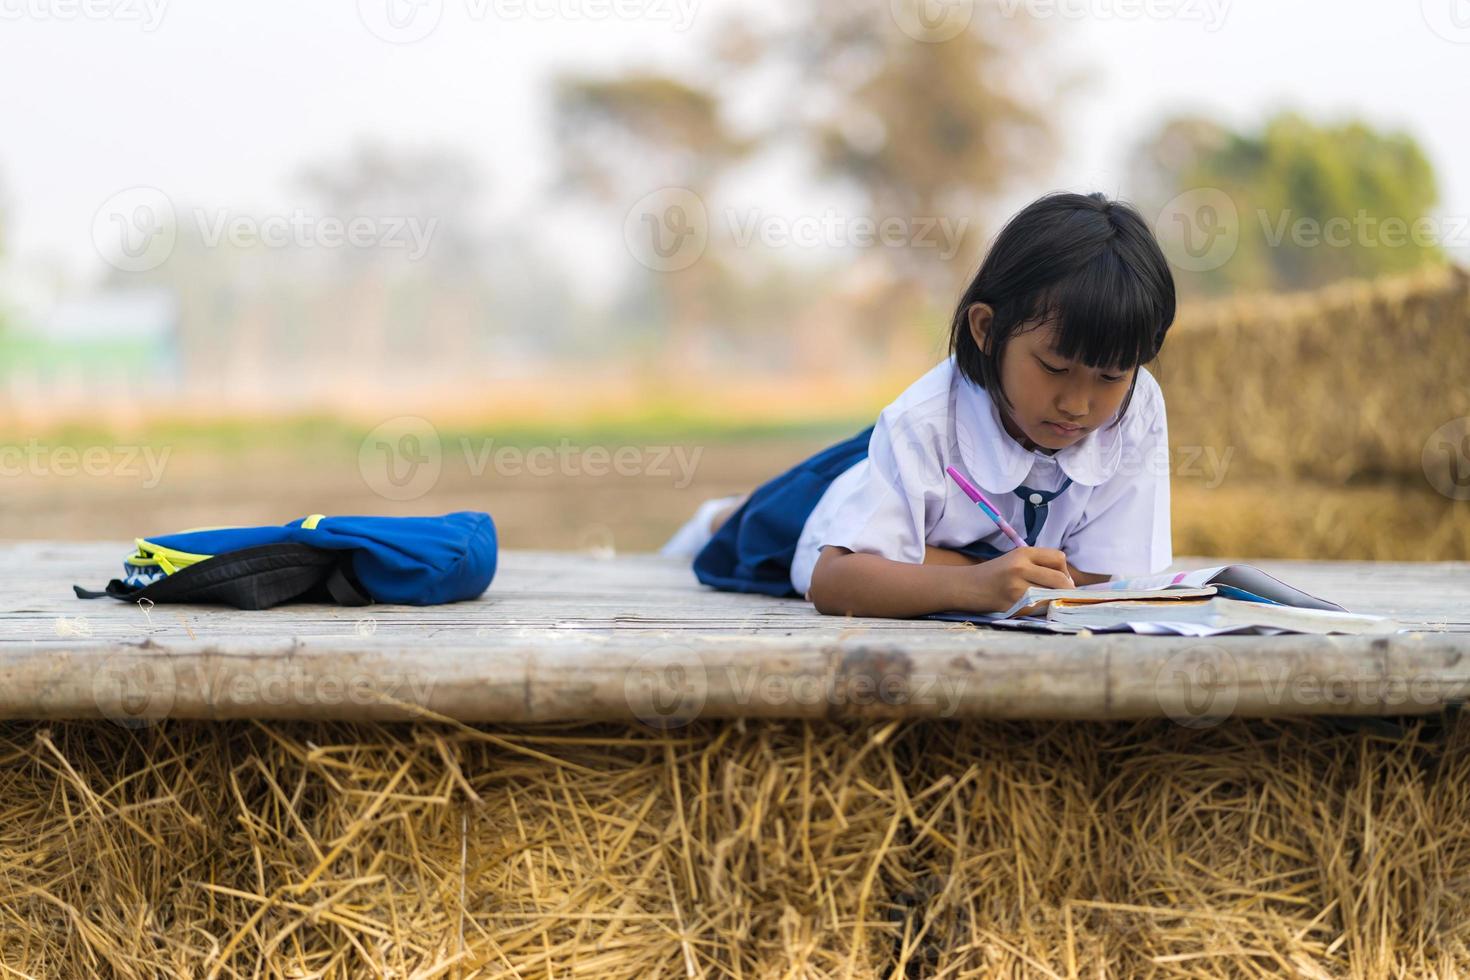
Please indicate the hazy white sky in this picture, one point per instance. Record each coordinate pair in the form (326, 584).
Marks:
(220, 103)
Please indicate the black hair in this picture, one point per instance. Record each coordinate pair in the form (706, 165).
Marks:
(1084, 262)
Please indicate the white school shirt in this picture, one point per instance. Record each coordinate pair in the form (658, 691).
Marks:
(1112, 520)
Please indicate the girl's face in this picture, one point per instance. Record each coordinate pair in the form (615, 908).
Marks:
(1054, 402)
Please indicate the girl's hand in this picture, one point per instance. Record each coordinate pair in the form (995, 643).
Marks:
(997, 584)
(847, 583)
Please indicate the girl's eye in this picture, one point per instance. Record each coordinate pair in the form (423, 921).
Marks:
(1111, 379)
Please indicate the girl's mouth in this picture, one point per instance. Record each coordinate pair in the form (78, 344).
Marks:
(1063, 430)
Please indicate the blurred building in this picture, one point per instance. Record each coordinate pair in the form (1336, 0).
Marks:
(112, 348)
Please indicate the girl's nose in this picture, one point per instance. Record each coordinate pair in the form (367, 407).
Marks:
(1073, 404)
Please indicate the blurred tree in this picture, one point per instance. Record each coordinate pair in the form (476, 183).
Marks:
(930, 118)
(432, 297)
(614, 132)
(403, 312)
(436, 188)
(483, 290)
(1304, 204)
(652, 148)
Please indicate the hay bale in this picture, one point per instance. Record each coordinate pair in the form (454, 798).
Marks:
(1252, 848)
(1343, 384)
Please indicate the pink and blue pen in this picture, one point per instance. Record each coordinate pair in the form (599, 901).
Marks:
(974, 494)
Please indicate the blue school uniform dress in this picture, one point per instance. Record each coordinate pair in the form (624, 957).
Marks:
(1104, 500)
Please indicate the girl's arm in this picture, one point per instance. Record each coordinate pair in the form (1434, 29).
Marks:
(849, 583)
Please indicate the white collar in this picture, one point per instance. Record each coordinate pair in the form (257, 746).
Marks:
(999, 463)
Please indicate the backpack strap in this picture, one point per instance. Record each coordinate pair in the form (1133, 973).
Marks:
(251, 578)
(344, 588)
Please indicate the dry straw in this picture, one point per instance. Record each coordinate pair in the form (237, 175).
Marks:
(1341, 385)
(736, 849)
(1302, 426)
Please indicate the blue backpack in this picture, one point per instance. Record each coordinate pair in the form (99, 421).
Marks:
(351, 561)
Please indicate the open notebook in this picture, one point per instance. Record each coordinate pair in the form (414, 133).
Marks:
(1203, 602)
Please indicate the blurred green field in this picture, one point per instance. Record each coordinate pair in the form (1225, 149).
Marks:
(269, 476)
(1298, 428)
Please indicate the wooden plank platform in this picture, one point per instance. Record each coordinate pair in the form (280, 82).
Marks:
(565, 636)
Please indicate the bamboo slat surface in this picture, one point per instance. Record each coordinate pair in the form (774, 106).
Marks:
(569, 636)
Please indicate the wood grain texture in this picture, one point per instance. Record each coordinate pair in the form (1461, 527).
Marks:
(562, 636)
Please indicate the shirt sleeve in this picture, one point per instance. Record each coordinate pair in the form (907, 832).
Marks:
(888, 511)
(1125, 527)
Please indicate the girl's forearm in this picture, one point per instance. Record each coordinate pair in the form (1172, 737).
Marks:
(846, 583)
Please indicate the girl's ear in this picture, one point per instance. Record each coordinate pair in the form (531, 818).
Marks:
(981, 316)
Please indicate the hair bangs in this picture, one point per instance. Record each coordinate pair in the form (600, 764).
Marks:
(1105, 317)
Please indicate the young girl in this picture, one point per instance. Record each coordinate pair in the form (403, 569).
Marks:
(1043, 403)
